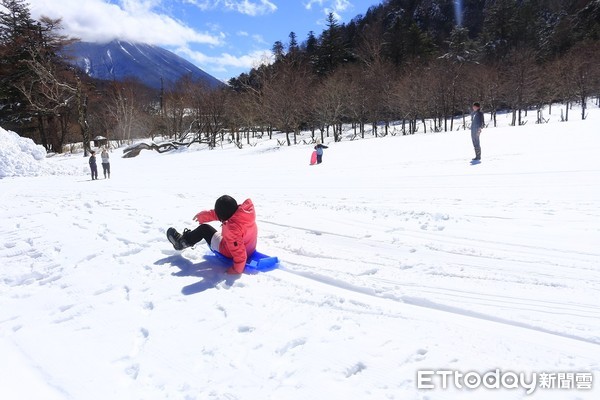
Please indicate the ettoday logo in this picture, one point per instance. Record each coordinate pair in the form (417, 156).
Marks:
(497, 379)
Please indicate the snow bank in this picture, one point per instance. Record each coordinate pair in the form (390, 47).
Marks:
(20, 156)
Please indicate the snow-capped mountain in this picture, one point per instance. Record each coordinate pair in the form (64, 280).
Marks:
(119, 59)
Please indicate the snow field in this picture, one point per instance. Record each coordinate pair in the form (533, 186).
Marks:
(397, 255)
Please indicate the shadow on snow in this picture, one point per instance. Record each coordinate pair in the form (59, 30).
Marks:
(211, 270)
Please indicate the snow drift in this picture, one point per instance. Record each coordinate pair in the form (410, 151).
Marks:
(21, 157)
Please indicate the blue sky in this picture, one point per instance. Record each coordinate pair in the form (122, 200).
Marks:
(222, 37)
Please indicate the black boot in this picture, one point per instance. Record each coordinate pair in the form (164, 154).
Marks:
(177, 239)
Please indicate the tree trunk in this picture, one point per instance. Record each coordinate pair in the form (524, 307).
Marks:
(43, 137)
(82, 120)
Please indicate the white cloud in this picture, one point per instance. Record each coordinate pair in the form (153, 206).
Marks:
(309, 5)
(252, 8)
(337, 7)
(201, 4)
(248, 7)
(133, 20)
(259, 39)
(342, 5)
(224, 61)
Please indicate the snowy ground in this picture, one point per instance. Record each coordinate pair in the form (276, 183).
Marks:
(397, 255)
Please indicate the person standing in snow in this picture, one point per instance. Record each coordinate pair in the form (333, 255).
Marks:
(105, 162)
(319, 149)
(93, 165)
(238, 236)
(476, 127)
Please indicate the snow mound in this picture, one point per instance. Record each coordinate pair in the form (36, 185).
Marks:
(20, 156)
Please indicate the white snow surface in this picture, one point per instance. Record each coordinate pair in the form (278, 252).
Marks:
(20, 156)
(397, 255)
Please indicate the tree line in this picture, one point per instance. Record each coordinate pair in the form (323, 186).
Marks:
(404, 61)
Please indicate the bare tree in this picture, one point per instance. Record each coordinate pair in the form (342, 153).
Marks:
(584, 72)
(488, 78)
(520, 77)
(333, 96)
(176, 102)
(211, 112)
(284, 97)
(50, 87)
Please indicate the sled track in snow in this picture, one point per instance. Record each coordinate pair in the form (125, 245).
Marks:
(461, 240)
(428, 304)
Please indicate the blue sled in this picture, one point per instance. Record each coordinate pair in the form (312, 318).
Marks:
(256, 261)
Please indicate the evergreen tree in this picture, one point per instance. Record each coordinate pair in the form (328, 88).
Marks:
(278, 51)
(332, 51)
(311, 48)
(293, 43)
(312, 44)
(17, 31)
(39, 92)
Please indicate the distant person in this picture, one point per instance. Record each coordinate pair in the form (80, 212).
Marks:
(93, 165)
(238, 236)
(105, 163)
(476, 127)
(319, 149)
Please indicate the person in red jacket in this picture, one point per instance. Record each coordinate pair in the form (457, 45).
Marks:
(237, 239)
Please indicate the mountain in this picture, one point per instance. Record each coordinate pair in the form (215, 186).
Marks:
(119, 59)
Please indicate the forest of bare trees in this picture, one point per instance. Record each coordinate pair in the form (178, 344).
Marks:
(399, 63)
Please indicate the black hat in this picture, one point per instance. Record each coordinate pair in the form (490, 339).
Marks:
(225, 207)
(476, 104)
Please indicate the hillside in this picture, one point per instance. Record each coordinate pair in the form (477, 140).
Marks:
(118, 60)
(397, 255)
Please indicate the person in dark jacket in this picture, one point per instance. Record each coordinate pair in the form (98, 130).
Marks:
(319, 149)
(476, 127)
(93, 165)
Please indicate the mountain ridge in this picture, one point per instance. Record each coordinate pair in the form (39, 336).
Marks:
(120, 59)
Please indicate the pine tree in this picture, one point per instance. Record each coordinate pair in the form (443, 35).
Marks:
(332, 51)
(278, 51)
(38, 90)
(293, 44)
(17, 31)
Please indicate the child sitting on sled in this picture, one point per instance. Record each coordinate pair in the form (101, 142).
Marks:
(237, 239)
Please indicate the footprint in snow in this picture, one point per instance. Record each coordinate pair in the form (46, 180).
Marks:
(139, 341)
(291, 345)
(419, 355)
(355, 369)
(147, 306)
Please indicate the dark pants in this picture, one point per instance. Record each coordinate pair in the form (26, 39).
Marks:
(94, 169)
(204, 231)
(106, 169)
(476, 144)
(319, 158)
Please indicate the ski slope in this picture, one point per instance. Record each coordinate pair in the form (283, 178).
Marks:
(397, 255)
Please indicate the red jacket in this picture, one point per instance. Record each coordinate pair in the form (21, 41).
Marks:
(239, 233)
